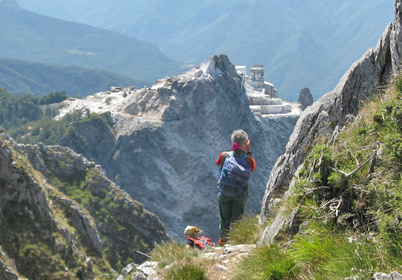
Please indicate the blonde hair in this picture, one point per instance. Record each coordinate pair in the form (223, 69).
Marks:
(191, 230)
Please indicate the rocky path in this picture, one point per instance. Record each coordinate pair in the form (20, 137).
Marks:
(225, 260)
(219, 262)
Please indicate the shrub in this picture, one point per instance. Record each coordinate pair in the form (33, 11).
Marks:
(185, 272)
(246, 231)
(177, 262)
(170, 252)
(266, 263)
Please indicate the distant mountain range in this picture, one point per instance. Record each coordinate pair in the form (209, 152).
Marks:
(29, 36)
(19, 76)
(300, 43)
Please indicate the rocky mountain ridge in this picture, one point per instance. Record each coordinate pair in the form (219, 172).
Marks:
(61, 218)
(160, 143)
(330, 114)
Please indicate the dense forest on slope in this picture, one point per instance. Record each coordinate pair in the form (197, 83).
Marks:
(55, 132)
(16, 111)
(30, 120)
(27, 77)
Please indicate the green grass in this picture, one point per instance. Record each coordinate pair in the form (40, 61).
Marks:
(186, 272)
(175, 262)
(266, 263)
(167, 253)
(319, 254)
(246, 231)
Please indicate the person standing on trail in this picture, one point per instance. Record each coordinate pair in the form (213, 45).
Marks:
(236, 167)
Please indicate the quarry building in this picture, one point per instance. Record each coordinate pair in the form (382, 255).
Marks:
(263, 96)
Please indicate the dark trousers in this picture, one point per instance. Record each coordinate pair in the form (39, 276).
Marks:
(230, 210)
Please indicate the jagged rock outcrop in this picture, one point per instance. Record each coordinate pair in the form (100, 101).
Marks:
(61, 218)
(160, 143)
(392, 276)
(305, 98)
(333, 111)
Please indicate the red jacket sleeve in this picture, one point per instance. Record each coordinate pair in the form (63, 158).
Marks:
(219, 161)
(252, 164)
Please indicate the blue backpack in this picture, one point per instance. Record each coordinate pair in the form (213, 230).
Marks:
(234, 176)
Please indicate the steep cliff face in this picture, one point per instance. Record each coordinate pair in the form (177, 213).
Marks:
(160, 143)
(61, 218)
(333, 111)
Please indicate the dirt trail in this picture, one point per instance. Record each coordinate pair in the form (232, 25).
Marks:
(224, 260)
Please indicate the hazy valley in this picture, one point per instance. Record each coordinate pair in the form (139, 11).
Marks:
(301, 44)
